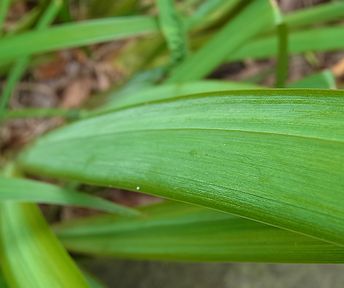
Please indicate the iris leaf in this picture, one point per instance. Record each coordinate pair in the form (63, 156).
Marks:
(275, 156)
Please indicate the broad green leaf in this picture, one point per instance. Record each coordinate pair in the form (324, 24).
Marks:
(23, 190)
(275, 156)
(319, 39)
(161, 92)
(174, 231)
(31, 256)
(229, 39)
(73, 35)
(173, 29)
(324, 80)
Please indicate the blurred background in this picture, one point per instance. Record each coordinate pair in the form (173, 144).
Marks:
(145, 274)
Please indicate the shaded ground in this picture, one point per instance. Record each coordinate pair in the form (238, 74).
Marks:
(132, 274)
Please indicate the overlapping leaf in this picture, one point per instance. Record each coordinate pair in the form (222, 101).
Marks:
(174, 231)
(225, 42)
(276, 156)
(21, 190)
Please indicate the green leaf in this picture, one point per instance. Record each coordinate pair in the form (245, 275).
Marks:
(174, 231)
(70, 114)
(92, 281)
(21, 190)
(324, 80)
(275, 156)
(161, 92)
(31, 256)
(319, 39)
(316, 14)
(73, 35)
(229, 39)
(3, 283)
(4, 6)
(209, 12)
(173, 29)
(21, 64)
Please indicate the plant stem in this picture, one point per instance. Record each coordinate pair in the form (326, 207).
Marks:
(282, 52)
(282, 56)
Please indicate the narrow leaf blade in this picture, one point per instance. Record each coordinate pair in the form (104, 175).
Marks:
(225, 42)
(21, 190)
(175, 231)
(74, 35)
(30, 253)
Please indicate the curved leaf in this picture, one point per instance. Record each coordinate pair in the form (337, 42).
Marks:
(276, 156)
(175, 231)
(31, 255)
(73, 35)
(125, 99)
(20, 190)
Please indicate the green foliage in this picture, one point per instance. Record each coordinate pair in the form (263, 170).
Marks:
(4, 6)
(73, 35)
(21, 64)
(315, 39)
(175, 231)
(173, 29)
(224, 42)
(324, 79)
(167, 148)
(272, 157)
(21, 190)
(31, 256)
